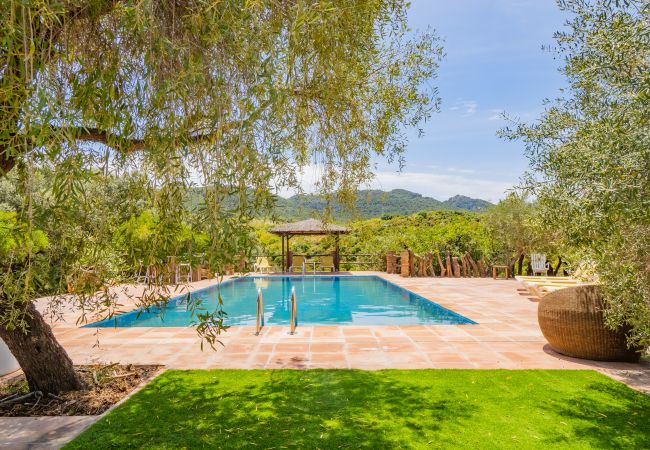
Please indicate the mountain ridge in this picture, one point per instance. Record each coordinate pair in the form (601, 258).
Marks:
(374, 203)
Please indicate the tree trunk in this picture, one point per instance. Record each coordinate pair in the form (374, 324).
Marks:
(482, 267)
(520, 264)
(422, 268)
(443, 271)
(391, 262)
(456, 266)
(428, 264)
(473, 264)
(46, 365)
(463, 266)
(412, 272)
(405, 263)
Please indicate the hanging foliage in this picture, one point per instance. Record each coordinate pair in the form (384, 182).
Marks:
(590, 153)
(235, 95)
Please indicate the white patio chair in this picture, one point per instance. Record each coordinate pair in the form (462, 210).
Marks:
(539, 264)
(184, 270)
(262, 265)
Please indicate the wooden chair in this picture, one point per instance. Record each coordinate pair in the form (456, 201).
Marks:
(326, 262)
(297, 262)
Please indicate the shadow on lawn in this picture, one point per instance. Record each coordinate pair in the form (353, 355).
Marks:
(294, 409)
(596, 419)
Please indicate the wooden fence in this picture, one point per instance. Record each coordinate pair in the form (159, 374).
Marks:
(409, 264)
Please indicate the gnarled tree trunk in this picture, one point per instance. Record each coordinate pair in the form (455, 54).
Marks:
(520, 265)
(46, 365)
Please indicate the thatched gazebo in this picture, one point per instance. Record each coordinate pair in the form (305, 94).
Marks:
(309, 227)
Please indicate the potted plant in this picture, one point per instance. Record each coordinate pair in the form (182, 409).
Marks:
(572, 322)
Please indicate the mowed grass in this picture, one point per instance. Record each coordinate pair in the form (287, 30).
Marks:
(377, 409)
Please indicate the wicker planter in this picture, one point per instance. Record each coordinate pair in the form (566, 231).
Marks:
(571, 320)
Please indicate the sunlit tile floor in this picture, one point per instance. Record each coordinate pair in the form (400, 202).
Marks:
(507, 336)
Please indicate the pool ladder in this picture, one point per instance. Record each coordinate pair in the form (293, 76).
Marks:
(259, 321)
(294, 312)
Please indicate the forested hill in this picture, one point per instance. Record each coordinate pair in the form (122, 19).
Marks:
(375, 203)
(467, 203)
(369, 204)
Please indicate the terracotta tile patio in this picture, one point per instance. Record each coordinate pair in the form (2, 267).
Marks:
(507, 336)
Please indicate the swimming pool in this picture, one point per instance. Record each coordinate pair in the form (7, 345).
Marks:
(321, 300)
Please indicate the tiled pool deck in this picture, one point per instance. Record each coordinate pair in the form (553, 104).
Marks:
(507, 336)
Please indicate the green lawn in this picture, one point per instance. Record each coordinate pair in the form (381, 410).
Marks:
(384, 409)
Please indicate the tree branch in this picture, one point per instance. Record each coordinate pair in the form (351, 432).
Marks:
(119, 143)
(130, 145)
(127, 145)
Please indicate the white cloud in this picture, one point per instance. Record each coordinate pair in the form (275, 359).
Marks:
(467, 107)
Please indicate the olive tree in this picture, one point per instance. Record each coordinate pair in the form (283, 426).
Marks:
(511, 223)
(590, 153)
(234, 95)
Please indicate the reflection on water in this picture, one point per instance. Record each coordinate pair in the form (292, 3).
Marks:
(336, 300)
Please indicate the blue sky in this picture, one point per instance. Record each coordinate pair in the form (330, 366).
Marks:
(494, 63)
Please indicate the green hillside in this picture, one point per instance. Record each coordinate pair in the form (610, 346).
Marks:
(467, 203)
(369, 204)
(374, 203)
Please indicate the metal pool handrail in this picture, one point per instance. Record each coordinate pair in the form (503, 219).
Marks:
(294, 311)
(259, 321)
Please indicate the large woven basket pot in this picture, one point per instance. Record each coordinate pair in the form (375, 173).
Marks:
(572, 322)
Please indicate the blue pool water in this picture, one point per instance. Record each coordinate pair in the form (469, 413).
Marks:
(335, 300)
